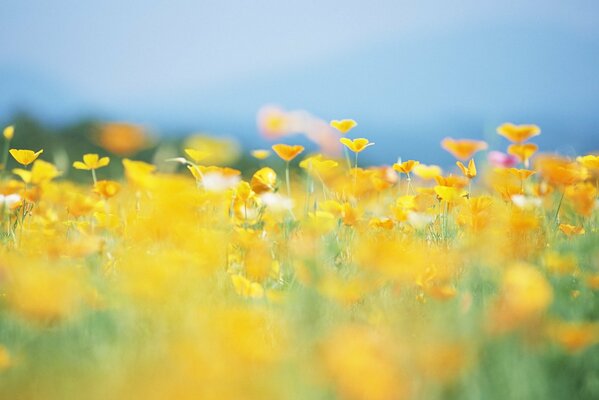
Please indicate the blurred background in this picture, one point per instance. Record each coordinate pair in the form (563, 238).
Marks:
(410, 72)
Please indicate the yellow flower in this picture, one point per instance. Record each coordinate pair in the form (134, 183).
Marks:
(260, 154)
(196, 155)
(91, 162)
(317, 163)
(287, 152)
(449, 194)
(463, 149)
(344, 125)
(41, 172)
(107, 189)
(246, 288)
(518, 133)
(405, 167)
(9, 132)
(25, 157)
(590, 161)
(264, 180)
(470, 171)
(522, 174)
(523, 151)
(356, 145)
(5, 359)
(427, 172)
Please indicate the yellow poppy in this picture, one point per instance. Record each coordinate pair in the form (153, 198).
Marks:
(91, 162)
(264, 180)
(356, 145)
(405, 167)
(287, 152)
(518, 133)
(470, 171)
(523, 151)
(344, 125)
(463, 149)
(25, 157)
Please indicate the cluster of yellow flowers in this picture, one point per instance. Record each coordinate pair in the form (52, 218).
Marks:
(353, 282)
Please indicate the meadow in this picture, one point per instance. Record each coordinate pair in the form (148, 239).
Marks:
(145, 270)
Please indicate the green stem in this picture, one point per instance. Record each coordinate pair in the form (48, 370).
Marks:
(287, 179)
(5, 157)
(94, 176)
(559, 206)
(355, 173)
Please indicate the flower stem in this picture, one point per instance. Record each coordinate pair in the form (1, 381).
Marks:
(287, 179)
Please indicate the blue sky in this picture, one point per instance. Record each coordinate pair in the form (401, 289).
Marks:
(163, 61)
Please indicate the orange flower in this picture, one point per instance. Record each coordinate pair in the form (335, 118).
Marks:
(470, 171)
(107, 189)
(570, 230)
(356, 145)
(405, 167)
(287, 152)
(521, 174)
(122, 138)
(463, 149)
(582, 196)
(518, 133)
(523, 151)
(559, 170)
(344, 125)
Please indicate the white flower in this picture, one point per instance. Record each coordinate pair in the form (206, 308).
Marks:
(419, 220)
(217, 182)
(9, 200)
(276, 202)
(526, 202)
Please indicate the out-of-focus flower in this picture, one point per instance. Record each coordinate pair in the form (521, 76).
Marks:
(523, 151)
(427, 172)
(41, 172)
(213, 150)
(107, 189)
(571, 230)
(590, 161)
(518, 133)
(344, 125)
(9, 132)
(122, 138)
(463, 149)
(499, 159)
(9, 201)
(260, 154)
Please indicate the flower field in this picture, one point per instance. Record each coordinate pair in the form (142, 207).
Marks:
(303, 276)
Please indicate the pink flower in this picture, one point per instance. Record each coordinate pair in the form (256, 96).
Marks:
(499, 159)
